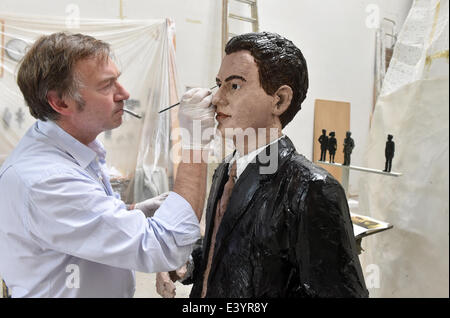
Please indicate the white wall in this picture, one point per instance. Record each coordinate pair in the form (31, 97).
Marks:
(338, 46)
(340, 52)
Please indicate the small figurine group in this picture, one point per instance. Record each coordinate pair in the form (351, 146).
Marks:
(330, 144)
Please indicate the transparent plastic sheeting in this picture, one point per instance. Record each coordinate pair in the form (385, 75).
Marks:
(412, 259)
(137, 151)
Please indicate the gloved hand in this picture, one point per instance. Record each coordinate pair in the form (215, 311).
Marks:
(165, 282)
(196, 117)
(150, 206)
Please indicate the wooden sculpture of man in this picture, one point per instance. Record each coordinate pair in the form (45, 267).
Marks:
(332, 146)
(276, 224)
(349, 144)
(389, 151)
(323, 140)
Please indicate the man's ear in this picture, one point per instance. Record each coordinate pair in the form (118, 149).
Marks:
(57, 103)
(283, 98)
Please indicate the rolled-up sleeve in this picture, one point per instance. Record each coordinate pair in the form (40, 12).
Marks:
(71, 213)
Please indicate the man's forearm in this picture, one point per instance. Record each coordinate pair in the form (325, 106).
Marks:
(190, 181)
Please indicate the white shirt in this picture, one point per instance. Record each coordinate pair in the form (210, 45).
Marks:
(65, 233)
(243, 161)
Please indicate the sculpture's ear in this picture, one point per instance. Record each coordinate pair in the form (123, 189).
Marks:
(283, 97)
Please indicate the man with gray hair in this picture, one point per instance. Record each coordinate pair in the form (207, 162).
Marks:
(64, 231)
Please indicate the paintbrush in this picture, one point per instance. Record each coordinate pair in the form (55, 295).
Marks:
(132, 113)
(178, 103)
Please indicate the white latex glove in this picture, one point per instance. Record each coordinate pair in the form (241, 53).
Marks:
(165, 286)
(150, 206)
(196, 117)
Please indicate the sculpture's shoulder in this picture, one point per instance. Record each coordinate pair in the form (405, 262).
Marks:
(303, 169)
(304, 179)
(311, 191)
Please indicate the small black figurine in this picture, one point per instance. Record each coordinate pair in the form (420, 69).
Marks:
(349, 144)
(332, 146)
(389, 153)
(323, 139)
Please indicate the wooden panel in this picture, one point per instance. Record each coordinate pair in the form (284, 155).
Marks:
(332, 116)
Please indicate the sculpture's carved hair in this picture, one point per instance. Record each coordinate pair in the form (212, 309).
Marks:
(279, 63)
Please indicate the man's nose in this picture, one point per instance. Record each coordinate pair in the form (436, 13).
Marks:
(122, 93)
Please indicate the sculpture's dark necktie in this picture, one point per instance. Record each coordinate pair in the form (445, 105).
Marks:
(220, 211)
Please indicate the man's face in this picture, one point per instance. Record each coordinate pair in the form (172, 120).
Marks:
(103, 96)
(241, 101)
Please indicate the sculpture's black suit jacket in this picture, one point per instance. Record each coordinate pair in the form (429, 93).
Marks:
(284, 234)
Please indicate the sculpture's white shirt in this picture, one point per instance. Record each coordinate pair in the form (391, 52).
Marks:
(65, 233)
(242, 161)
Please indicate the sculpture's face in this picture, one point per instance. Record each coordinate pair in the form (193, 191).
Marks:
(241, 101)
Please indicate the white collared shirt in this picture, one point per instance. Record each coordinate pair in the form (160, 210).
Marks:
(243, 161)
(65, 233)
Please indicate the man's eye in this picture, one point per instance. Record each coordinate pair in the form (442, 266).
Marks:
(218, 85)
(110, 84)
(235, 86)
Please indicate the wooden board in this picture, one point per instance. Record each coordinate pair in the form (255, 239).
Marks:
(332, 116)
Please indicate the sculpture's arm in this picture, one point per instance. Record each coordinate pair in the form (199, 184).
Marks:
(326, 252)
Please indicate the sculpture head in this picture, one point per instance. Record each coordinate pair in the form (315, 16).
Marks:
(332, 134)
(262, 82)
(348, 134)
(390, 137)
(324, 131)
